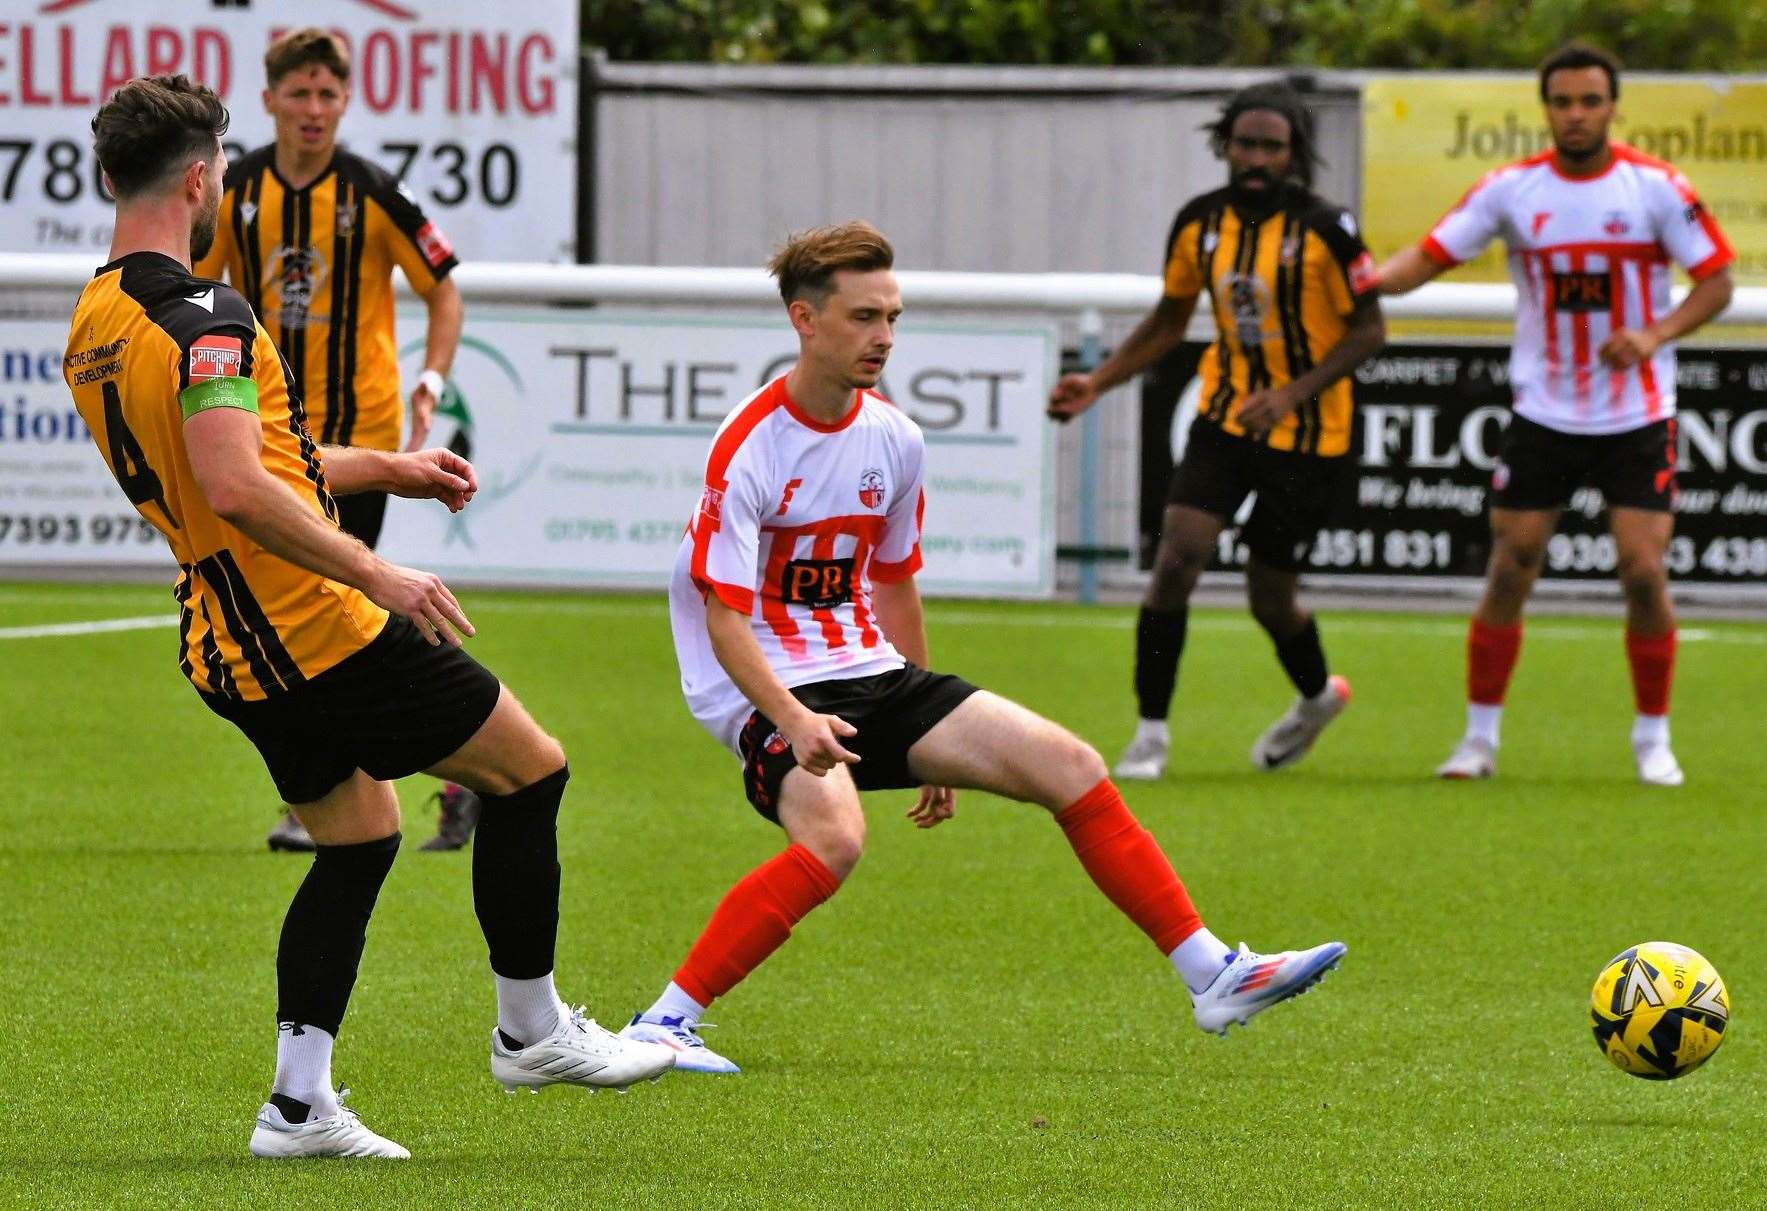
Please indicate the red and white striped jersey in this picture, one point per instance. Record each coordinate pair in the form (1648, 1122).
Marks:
(1588, 255)
(796, 521)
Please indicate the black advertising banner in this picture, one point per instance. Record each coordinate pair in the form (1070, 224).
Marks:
(1429, 423)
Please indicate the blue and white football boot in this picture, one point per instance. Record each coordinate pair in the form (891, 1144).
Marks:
(691, 1052)
(1250, 983)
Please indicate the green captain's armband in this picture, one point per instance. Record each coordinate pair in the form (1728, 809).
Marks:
(231, 392)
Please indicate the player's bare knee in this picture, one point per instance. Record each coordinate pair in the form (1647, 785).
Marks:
(1274, 609)
(1079, 768)
(840, 853)
(1169, 588)
(1643, 579)
(548, 752)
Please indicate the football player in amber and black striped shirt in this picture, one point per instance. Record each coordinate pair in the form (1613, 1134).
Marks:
(310, 234)
(1294, 304)
(344, 670)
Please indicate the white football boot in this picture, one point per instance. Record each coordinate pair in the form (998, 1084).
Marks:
(1250, 983)
(691, 1052)
(1291, 737)
(1657, 765)
(1144, 760)
(579, 1052)
(1471, 758)
(340, 1134)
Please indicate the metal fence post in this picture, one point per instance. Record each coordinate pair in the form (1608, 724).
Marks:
(1091, 353)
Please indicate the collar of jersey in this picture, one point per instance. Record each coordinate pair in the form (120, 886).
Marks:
(1612, 163)
(809, 422)
(330, 167)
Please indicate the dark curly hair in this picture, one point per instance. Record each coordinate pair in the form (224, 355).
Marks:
(1577, 55)
(152, 128)
(1280, 98)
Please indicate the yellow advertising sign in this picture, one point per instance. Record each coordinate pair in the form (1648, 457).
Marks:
(1426, 140)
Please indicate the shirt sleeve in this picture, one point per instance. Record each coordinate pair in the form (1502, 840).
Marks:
(417, 245)
(217, 362)
(1183, 276)
(1462, 233)
(1687, 230)
(727, 530)
(1352, 275)
(898, 554)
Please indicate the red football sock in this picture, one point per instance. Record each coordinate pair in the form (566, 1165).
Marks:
(1490, 658)
(753, 920)
(1653, 667)
(1126, 862)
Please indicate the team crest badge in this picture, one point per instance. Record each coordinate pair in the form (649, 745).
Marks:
(712, 504)
(1614, 223)
(346, 218)
(775, 744)
(1291, 249)
(248, 210)
(871, 488)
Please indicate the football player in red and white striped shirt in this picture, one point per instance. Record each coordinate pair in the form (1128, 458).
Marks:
(799, 633)
(1592, 227)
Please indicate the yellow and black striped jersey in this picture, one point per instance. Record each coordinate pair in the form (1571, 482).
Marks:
(316, 263)
(1282, 288)
(150, 346)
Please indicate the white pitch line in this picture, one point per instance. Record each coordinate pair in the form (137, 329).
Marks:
(1372, 625)
(1075, 621)
(98, 627)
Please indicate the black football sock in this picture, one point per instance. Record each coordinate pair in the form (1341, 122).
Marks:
(515, 876)
(324, 931)
(1303, 659)
(1159, 642)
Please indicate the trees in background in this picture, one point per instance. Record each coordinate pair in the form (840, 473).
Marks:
(1663, 35)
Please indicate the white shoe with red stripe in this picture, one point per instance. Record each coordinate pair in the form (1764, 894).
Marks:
(1250, 983)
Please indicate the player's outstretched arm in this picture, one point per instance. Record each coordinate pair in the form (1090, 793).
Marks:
(1627, 347)
(1407, 269)
(435, 474)
(225, 444)
(1156, 335)
(1365, 336)
(815, 739)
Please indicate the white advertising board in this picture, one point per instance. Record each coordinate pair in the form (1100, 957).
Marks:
(474, 104)
(590, 434)
(58, 501)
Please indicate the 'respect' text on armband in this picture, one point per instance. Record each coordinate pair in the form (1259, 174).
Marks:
(231, 392)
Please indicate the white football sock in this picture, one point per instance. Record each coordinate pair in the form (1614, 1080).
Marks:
(1152, 729)
(675, 1003)
(1482, 722)
(1199, 959)
(529, 1010)
(303, 1067)
(1650, 729)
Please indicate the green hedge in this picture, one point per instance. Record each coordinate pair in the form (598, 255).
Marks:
(1670, 35)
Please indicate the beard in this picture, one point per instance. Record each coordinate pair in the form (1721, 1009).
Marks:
(1256, 200)
(202, 232)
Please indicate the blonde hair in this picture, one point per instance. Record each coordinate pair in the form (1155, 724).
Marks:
(808, 260)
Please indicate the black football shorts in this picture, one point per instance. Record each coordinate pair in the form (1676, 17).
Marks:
(395, 708)
(892, 712)
(1296, 492)
(1539, 468)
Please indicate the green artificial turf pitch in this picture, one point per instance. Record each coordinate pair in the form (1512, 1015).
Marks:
(968, 1023)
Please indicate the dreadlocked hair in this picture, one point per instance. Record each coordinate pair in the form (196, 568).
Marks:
(1278, 97)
